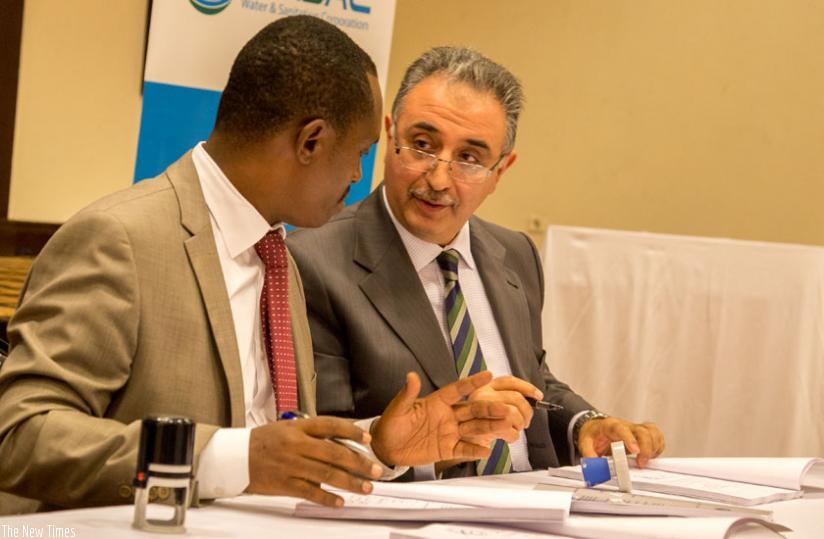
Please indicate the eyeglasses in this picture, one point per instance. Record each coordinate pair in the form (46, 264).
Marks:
(460, 171)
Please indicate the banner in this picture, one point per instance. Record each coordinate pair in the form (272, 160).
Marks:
(191, 46)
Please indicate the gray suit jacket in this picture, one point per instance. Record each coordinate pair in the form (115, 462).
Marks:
(124, 314)
(371, 321)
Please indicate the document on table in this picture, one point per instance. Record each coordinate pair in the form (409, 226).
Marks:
(787, 473)
(694, 485)
(613, 527)
(609, 502)
(440, 503)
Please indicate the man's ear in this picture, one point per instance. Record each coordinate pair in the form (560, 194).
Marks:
(387, 125)
(507, 162)
(312, 139)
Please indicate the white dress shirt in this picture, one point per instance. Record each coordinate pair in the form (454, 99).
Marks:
(237, 225)
(423, 255)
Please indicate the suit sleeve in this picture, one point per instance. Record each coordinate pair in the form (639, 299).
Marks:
(73, 340)
(555, 390)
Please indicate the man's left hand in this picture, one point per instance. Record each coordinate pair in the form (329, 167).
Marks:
(441, 426)
(644, 440)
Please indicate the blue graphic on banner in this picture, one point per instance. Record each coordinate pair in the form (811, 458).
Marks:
(175, 118)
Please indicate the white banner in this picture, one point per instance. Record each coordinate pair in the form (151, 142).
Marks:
(192, 44)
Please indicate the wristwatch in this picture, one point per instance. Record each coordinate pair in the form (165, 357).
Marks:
(587, 416)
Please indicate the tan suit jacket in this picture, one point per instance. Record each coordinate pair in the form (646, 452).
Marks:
(372, 322)
(124, 314)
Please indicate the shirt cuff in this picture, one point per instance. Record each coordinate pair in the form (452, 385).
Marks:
(223, 469)
(389, 473)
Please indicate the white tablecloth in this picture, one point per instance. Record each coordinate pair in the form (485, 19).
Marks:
(273, 520)
(720, 342)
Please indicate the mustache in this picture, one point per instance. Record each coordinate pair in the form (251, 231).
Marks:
(427, 194)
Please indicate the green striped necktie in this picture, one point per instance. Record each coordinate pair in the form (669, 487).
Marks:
(468, 357)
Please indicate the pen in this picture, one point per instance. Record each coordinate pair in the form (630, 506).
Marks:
(535, 403)
(345, 442)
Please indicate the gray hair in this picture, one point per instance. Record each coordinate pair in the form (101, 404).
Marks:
(460, 64)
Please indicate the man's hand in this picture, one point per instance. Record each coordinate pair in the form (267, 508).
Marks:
(440, 426)
(292, 458)
(641, 439)
(511, 391)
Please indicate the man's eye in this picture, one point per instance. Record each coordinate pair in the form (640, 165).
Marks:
(466, 157)
(421, 145)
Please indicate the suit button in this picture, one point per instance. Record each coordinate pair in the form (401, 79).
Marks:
(124, 491)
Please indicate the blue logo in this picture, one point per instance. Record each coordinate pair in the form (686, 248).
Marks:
(210, 7)
(357, 6)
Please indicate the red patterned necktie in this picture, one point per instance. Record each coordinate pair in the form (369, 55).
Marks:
(276, 321)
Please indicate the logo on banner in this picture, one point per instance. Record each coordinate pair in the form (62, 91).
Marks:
(210, 7)
(358, 6)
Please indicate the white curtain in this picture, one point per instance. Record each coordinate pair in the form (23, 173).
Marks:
(720, 342)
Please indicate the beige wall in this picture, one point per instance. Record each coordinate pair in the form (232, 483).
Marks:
(703, 117)
(78, 105)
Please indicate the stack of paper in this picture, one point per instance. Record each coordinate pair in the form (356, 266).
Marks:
(613, 527)
(443, 503)
(738, 481)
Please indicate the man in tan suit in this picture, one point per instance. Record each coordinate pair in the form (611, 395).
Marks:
(146, 303)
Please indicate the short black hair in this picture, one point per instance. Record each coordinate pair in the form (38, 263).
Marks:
(295, 69)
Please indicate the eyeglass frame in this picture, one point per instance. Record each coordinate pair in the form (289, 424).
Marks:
(435, 160)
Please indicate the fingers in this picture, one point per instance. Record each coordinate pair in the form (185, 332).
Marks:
(621, 431)
(519, 385)
(644, 440)
(465, 450)
(596, 435)
(285, 459)
(466, 411)
(586, 446)
(521, 411)
(457, 391)
(483, 431)
(650, 442)
(332, 427)
(403, 401)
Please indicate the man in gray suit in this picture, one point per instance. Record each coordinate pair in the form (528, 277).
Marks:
(376, 294)
(146, 303)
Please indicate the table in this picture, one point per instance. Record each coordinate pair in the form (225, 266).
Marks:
(720, 342)
(228, 520)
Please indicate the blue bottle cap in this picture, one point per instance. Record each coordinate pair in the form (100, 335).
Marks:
(596, 471)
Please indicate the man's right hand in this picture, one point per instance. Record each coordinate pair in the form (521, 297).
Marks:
(292, 458)
(511, 391)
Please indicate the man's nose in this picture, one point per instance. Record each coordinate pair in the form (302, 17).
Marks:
(438, 176)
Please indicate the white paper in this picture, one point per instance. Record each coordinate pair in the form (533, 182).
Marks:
(384, 508)
(555, 502)
(613, 527)
(788, 473)
(695, 486)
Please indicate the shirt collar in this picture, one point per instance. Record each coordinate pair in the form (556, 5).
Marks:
(238, 222)
(423, 252)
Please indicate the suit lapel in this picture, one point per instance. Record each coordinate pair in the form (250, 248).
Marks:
(506, 297)
(203, 257)
(404, 307)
